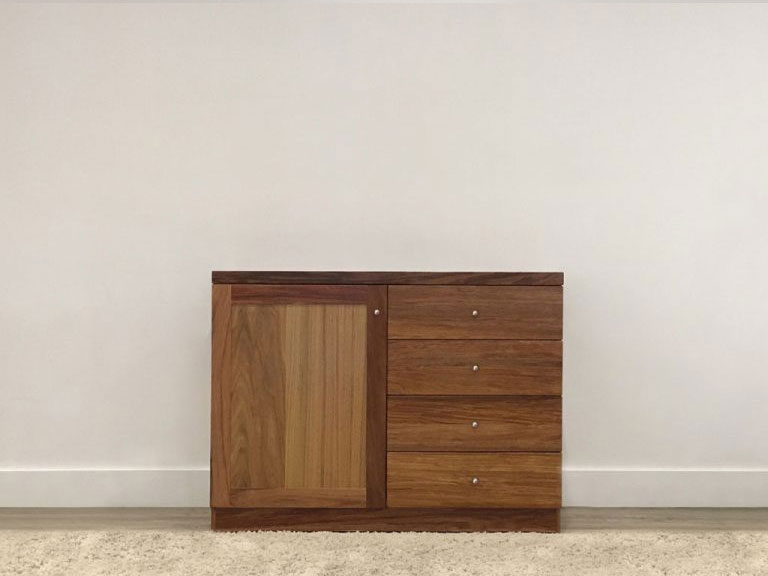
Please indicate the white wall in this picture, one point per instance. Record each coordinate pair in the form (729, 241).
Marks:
(142, 146)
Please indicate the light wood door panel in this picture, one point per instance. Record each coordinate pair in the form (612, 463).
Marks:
(257, 425)
(325, 369)
(292, 422)
(298, 415)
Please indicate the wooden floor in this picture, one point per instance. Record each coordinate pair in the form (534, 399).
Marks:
(573, 519)
(105, 519)
(590, 519)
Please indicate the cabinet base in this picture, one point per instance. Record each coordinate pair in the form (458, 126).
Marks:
(388, 519)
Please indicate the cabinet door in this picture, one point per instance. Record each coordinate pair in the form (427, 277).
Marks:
(299, 397)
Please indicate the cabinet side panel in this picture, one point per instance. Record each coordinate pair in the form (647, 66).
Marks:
(258, 397)
(220, 367)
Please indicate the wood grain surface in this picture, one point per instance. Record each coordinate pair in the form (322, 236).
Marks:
(298, 404)
(298, 294)
(429, 479)
(196, 519)
(388, 519)
(504, 312)
(376, 410)
(257, 421)
(220, 401)
(429, 423)
(304, 435)
(312, 497)
(521, 367)
(448, 278)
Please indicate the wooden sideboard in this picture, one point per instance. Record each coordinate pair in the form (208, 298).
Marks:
(386, 401)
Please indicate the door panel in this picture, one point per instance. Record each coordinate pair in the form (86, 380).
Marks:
(325, 375)
(298, 397)
(257, 425)
(293, 413)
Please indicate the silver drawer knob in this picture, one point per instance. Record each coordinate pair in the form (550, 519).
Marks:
(475, 481)
(475, 313)
(475, 424)
(475, 368)
(376, 312)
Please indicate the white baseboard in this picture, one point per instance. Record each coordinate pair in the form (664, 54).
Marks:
(671, 488)
(189, 488)
(86, 488)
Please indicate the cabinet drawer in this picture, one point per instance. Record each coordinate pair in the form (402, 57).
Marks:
(419, 479)
(456, 312)
(473, 424)
(477, 367)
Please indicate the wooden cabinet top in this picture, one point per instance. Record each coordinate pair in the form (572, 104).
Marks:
(445, 278)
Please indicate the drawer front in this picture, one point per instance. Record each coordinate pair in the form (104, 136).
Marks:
(476, 367)
(444, 480)
(455, 312)
(473, 424)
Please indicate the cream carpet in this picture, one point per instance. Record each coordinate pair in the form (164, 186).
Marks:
(321, 553)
